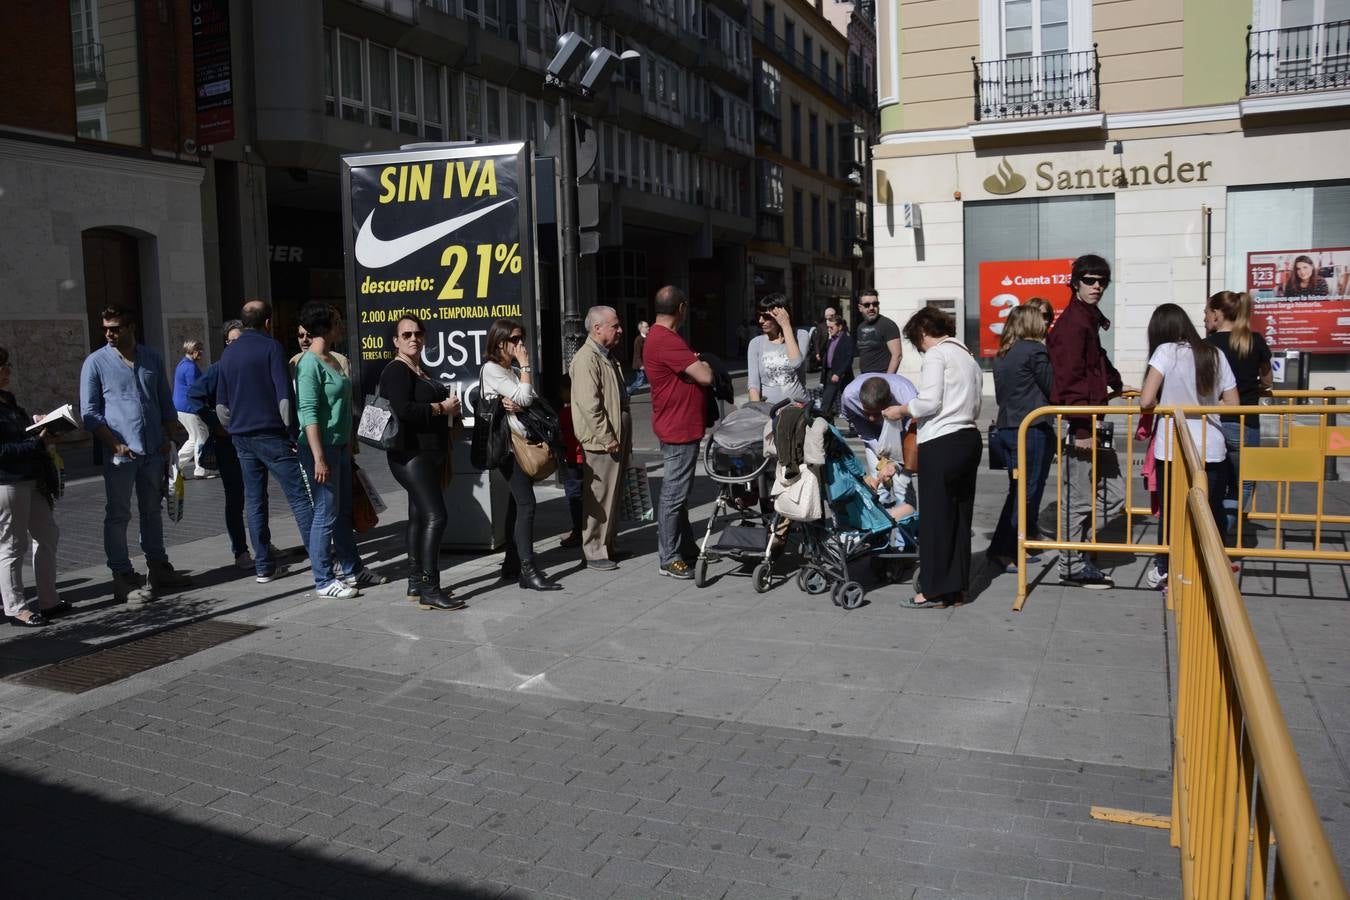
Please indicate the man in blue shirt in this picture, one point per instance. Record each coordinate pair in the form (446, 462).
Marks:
(126, 404)
(255, 402)
(871, 405)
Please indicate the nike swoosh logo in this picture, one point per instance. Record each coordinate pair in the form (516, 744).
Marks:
(374, 253)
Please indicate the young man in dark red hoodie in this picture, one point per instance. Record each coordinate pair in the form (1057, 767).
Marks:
(1084, 376)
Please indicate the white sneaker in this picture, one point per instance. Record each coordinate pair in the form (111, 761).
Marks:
(363, 579)
(244, 560)
(1155, 579)
(337, 590)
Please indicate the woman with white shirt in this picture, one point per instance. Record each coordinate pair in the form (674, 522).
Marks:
(1186, 370)
(509, 375)
(947, 408)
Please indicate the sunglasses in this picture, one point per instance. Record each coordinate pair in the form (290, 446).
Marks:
(409, 335)
(515, 339)
(1093, 280)
(873, 305)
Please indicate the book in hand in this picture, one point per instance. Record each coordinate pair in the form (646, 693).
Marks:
(58, 421)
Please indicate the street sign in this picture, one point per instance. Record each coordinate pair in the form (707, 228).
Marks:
(447, 235)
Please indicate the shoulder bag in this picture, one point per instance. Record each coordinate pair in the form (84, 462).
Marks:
(488, 444)
(534, 458)
(379, 427)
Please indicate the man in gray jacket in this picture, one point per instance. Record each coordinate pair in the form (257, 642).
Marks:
(604, 428)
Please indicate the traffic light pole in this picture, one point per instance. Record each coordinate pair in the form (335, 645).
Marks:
(573, 337)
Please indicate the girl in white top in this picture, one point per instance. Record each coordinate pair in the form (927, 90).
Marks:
(947, 408)
(1185, 370)
(776, 361)
(507, 373)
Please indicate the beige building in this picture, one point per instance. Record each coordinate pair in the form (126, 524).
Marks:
(1172, 137)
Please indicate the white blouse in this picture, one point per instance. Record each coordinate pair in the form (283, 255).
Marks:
(499, 381)
(950, 387)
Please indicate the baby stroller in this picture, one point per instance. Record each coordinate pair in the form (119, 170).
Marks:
(734, 458)
(848, 525)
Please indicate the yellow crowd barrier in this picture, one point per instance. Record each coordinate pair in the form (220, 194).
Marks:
(1306, 436)
(1242, 815)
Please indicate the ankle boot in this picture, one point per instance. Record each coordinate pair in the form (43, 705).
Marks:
(511, 565)
(431, 596)
(532, 579)
(415, 579)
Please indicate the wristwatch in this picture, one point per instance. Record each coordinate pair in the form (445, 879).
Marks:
(526, 368)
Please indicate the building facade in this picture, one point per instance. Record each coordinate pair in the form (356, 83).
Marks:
(1182, 141)
(100, 189)
(806, 216)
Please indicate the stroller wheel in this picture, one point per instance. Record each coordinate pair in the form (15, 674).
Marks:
(848, 594)
(701, 572)
(812, 581)
(762, 577)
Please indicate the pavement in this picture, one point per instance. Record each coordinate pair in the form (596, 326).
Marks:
(628, 736)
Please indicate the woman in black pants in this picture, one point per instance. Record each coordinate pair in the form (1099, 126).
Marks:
(947, 408)
(425, 410)
(509, 375)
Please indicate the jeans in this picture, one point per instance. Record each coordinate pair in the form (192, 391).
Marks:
(519, 511)
(1250, 436)
(121, 475)
(331, 528)
(639, 381)
(1216, 476)
(1079, 496)
(675, 535)
(573, 479)
(261, 454)
(1040, 451)
(232, 479)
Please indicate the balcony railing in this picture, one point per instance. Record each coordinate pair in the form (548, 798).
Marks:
(793, 57)
(88, 59)
(1028, 87)
(1297, 60)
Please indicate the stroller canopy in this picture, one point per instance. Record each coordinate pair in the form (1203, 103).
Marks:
(743, 428)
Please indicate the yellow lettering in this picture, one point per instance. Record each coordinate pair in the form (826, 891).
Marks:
(387, 181)
(419, 187)
(489, 183)
(1045, 172)
(466, 178)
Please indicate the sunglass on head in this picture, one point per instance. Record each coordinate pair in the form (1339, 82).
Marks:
(1095, 280)
(409, 335)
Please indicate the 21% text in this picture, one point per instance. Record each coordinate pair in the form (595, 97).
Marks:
(505, 259)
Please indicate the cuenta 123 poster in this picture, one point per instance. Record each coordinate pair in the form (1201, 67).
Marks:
(1008, 283)
(1302, 298)
(444, 234)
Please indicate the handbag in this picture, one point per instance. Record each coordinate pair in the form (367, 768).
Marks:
(364, 516)
(535, 459)
(487, 444)
(998, 459)
(909, 448)
(379, 427)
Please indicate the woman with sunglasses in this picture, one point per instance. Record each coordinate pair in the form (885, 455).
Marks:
(28, 488)
(777, 359)
(425, 410)
(509, 375)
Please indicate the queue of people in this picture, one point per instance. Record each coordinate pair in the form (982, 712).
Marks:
(243, 405)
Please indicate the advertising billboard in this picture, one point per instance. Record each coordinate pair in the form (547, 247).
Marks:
(447, 235)
(1008, 283)
(1302, 298)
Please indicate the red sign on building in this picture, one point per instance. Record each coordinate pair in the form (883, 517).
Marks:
(1008, 283)
(211, 71)
(1302, 298)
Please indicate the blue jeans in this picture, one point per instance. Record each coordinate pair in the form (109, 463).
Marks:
(332, 526)
(1040, 452)
(1232, 433)
(675, 535)
(639, 381)
(145, 475)
(261, 454)
(232, 479)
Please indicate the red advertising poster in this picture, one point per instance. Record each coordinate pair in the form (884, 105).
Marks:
(1302, 298)
(1005, 284)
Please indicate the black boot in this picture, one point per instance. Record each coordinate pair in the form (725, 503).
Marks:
(531, 579)
(431, 596)
(511, 565)
(415, 579)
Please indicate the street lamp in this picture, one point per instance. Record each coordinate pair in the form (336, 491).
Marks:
(600, 64)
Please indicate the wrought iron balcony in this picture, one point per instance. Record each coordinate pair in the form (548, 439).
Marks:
(1028, 87)
(1297, 60)
(88, 60)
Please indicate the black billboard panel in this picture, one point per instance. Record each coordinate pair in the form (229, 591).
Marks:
(447, 235)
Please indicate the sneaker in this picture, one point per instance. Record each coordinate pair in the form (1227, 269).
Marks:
(603, 565)
(677, 569)
(243, 560)
(363, 579)
(129, 587)
(1089, 578)
(269, 577)
(1154, 578)
(337, 590)
(164, 576)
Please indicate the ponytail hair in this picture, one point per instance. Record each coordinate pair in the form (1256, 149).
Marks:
(1236, 308)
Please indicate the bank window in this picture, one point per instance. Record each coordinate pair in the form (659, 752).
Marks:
(1035, 27)
(381, 87)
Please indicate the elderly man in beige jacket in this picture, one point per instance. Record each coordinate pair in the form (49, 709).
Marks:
(604, 428)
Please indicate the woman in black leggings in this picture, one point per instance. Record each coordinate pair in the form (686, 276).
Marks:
(509, 375)
(425, 410)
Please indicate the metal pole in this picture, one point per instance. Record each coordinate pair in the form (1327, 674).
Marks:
(567, 214)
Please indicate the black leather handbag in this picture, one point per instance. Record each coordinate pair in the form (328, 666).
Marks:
(489, 443)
